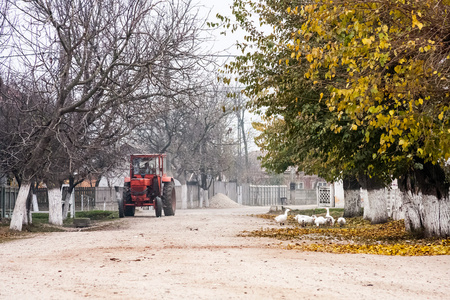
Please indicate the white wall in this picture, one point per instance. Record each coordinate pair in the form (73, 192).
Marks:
(339, 194)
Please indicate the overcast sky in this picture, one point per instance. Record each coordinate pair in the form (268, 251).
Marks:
(223, 44)
(226, 44)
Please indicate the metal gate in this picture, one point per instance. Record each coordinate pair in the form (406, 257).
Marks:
(323, 196)
(8, 197)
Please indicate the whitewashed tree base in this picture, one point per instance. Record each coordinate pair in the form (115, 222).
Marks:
(65, 212)
(184, 196)
(376, 209)
(54, 207)
(427, 213)
(20, 208)
(35, 203)
(352, 203)
(205, 197)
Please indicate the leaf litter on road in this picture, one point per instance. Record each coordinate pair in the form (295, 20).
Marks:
(357, 236)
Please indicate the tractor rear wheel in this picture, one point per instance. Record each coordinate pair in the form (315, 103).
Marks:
(128, 210)
(158, 207)
(169, 199)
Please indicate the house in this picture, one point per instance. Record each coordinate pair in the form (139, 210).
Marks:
(303, 188)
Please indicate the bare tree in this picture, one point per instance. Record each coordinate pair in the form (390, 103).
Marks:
(96, 70)
(6, 26)
(196, 132)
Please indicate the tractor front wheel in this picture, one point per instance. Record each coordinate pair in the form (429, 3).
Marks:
(158, 207)
(169, 199)
(128, 210)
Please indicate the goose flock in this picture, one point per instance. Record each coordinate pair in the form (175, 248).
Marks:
(304, 220)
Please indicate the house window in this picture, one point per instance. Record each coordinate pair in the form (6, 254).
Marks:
(321, 184)
(300, 186)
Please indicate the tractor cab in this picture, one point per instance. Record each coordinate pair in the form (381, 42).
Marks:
(145, 167)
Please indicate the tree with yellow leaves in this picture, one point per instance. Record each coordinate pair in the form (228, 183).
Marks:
(395, 55)
(355, 88)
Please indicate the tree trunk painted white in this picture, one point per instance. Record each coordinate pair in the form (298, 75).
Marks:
(377, 208)
(365, 202)
(191, 197)
(20, 208)
(201, 197)
(352, 203)
(205, 197)
(65, 212)
(54, 206)
(427, 213)
(183, 196)
(426, 200)
(35, 203)
(30, 216)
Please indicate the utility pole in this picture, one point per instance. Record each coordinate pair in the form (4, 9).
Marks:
(242, 138)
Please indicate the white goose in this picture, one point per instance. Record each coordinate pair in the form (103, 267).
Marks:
(303, 220)
(282, 218)
(341, 221)
(329, 217)
(320, 221)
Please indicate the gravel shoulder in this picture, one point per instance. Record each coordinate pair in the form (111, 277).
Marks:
(198, 254)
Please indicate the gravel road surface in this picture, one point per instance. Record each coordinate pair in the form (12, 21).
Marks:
(198, 254)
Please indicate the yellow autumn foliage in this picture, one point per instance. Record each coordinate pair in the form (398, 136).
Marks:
(387, 58)
(358, 236)
(395, 249)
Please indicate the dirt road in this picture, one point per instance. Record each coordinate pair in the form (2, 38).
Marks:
(198, 255)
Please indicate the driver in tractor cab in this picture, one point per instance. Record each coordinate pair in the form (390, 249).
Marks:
(152, 168)
(149, 168)
(146, 168)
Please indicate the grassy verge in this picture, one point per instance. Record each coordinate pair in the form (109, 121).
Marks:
(40, 223)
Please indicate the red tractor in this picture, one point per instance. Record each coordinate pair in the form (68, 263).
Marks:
(148, 185)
